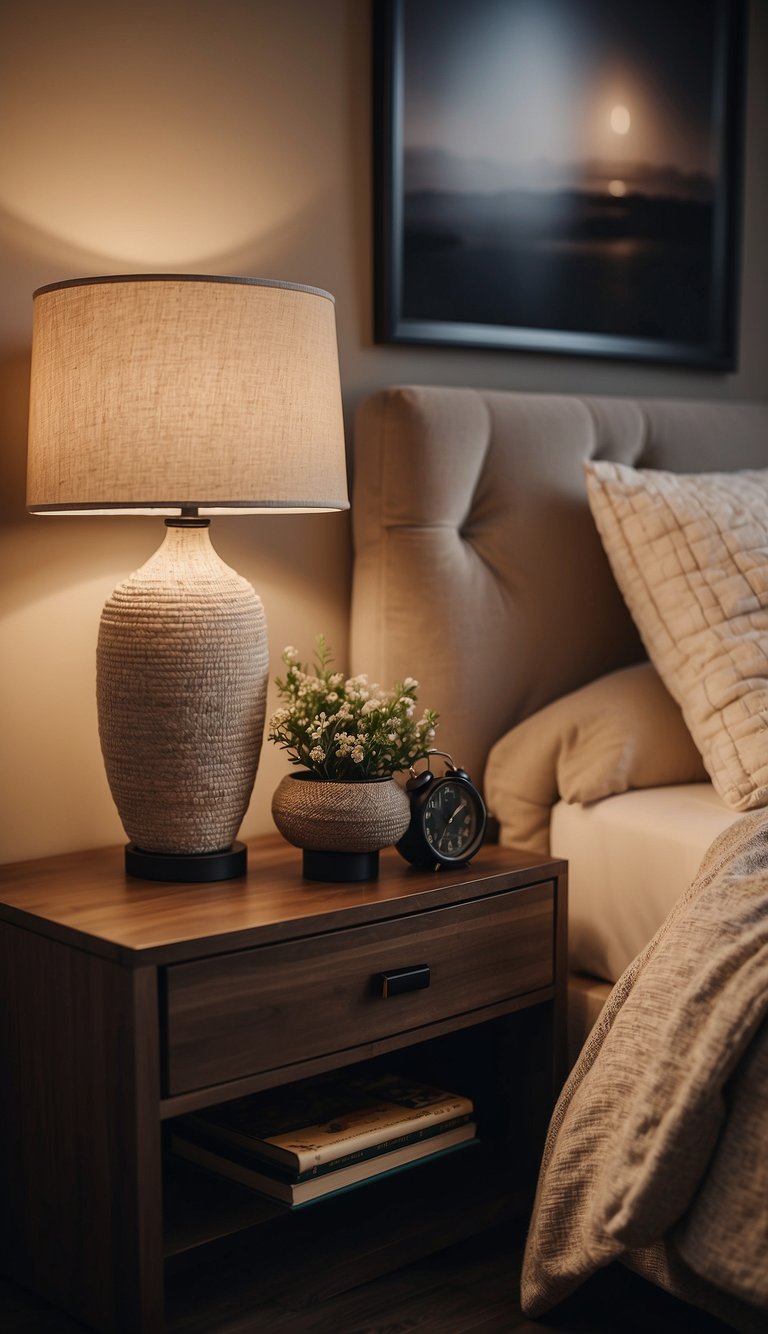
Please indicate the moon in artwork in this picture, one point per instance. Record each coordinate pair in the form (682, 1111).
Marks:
(620, 120)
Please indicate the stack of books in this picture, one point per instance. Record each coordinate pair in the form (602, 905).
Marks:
(311, 1139)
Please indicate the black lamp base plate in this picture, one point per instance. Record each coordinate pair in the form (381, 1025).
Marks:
(190, 868)
(347, 867)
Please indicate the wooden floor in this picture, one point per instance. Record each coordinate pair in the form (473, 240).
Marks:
(471, 1287)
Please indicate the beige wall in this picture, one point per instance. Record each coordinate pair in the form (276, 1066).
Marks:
(226, 137)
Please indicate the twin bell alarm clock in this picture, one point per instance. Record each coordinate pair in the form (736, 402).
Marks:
(448, 817)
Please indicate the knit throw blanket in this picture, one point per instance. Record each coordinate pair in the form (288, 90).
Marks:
(657, 1152)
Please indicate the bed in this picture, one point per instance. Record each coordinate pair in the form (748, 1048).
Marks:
(522, 555)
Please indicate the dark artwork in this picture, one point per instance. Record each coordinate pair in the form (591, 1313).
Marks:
(560, 174)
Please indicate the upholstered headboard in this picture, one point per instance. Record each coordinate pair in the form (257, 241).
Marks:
(478, 568)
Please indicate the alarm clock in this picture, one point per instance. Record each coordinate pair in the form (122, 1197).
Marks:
(448, 817)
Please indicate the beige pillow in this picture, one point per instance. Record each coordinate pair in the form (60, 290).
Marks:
(690, 555)
(622, 731)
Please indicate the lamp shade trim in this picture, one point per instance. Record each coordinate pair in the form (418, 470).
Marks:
(183, 278)
(208, 508)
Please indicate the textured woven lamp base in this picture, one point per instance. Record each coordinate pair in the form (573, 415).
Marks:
(181, 684)
(195, 868)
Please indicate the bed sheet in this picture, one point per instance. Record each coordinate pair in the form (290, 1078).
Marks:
(630, 858)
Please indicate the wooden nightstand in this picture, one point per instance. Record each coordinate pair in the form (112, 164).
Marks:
(126, 1003)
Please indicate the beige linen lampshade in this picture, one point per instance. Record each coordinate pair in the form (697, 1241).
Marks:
(185, 396)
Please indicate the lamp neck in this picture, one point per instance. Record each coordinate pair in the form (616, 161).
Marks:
(189, 518)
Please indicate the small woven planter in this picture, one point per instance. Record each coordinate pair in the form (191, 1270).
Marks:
(340, 826)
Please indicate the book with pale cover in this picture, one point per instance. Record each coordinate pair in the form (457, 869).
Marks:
(305, 1126)
(289, 1189)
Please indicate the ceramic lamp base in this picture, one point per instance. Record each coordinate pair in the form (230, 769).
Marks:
(193, 868)
(181, 684)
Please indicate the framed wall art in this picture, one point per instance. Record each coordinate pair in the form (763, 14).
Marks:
(560, 175)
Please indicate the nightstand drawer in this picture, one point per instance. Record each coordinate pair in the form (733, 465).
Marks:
(240, 1014)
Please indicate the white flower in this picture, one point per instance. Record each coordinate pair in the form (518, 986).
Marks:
(318, 705)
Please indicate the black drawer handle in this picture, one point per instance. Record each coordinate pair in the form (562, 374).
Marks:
(397, 980)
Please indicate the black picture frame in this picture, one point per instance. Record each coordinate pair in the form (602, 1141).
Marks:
(583, 261)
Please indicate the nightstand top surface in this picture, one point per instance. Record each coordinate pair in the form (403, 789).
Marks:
(87, 900)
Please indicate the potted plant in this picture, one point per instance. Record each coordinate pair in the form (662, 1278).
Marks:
(349, 737)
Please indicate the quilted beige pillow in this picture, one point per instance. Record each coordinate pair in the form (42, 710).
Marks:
(690, 555)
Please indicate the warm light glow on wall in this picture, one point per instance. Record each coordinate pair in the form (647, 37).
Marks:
(139, 133)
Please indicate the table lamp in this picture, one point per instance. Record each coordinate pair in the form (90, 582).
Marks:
(185, 396)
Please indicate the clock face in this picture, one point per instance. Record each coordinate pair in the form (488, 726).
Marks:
(451, 820)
